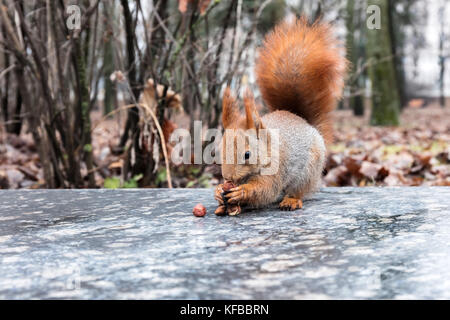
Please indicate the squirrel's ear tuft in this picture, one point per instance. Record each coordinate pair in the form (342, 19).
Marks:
(253, 118)
(249, 103)
(230, 111)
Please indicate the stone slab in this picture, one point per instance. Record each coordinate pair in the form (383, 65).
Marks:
(371, 243)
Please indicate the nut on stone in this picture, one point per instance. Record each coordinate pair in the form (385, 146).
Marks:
(228, 185)
(199, 210)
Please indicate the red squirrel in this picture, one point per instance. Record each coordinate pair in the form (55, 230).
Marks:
(300, 72)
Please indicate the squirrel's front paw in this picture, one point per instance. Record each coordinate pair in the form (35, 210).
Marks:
(218, 194)
(238, 195)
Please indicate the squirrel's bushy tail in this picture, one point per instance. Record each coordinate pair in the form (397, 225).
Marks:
(301, 69)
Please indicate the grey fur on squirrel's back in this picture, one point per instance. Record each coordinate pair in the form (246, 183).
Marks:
(300, 171)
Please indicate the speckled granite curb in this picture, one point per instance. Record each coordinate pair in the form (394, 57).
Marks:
(380, 243)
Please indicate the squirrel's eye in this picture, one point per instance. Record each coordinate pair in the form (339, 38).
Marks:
(247, 155)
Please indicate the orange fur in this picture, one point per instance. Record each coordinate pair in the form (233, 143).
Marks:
(257, 192)
(291, 204)
(250, 110)
(253, 120)
(230, 112)
(300, 70)
(232, 119)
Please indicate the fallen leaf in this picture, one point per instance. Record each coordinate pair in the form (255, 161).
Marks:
(338, 176)
(370, 170)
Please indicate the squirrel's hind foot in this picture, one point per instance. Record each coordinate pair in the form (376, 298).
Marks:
(290, 204)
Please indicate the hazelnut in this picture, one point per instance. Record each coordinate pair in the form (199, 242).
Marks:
(199, 210)
(228, 185)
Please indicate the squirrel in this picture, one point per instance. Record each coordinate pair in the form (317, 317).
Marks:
(300, 72)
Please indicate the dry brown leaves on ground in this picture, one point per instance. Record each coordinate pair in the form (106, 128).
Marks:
(414, 154)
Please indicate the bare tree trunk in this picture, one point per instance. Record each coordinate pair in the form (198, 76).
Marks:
(397, 51)
(442, 56)
(133, 113)
(188, 82)
(4, 93)
(385, 96)
(355, 99)
(110, 99)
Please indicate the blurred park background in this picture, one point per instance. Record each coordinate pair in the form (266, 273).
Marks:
(71, 78)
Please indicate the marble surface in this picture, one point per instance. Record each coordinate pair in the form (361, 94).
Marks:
(373, 243)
